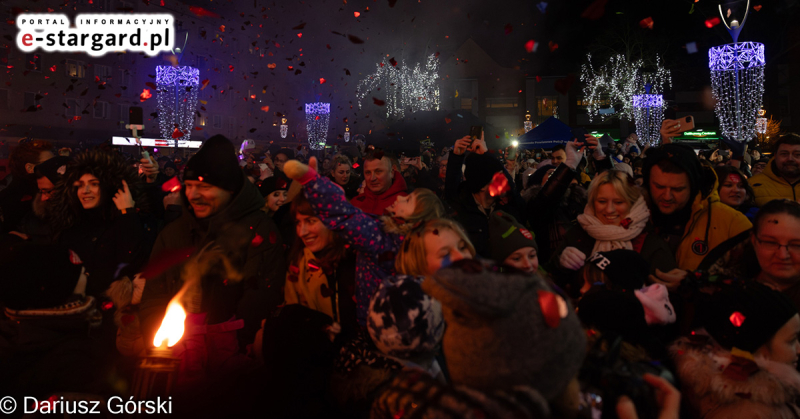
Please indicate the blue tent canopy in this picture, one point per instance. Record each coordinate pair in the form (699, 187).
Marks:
(548, 134)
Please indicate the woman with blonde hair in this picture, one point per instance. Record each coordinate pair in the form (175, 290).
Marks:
(433, 245)
(375, 240)
(616, 217)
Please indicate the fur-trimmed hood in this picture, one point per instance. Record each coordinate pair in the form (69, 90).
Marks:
(110, 168)
(770, 392)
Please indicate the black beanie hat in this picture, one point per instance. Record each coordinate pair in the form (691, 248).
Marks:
(625, 269)
(272, 184)
(170, 164)
(614, 312)
(480, 170)
(53, 169)
(288, 152)
(746, 316)
(506, 236)
(680, 155)
(37, 275)
(216, 163)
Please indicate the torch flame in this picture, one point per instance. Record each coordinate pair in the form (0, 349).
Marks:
(172, 327)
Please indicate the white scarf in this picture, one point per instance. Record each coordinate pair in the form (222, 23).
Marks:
(611, 237)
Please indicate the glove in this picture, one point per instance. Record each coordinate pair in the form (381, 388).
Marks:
(573, 157)
(300, 172)
(598, 154)
(737, 148)
(572, 258)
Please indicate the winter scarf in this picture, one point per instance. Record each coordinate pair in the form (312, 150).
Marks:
(610, 237)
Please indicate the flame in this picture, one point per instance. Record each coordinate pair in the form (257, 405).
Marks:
(172, 327)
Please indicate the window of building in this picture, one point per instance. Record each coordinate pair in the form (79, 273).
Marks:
(123, 78)
(75, 69)
(467, 95)
(101, 110)
(501, 102)
(75, 108)
(545, 105)
(33, 62)
(32, 99)
(103, 72)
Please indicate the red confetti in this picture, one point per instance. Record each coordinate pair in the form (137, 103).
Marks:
(447, 120)
(378, 101)
(356, 14)
(757, 8)
(595, 11)
(393, 62)
(508, 28)
(553, 46)
(172, 185)
(499, 185)
(529, 46)
(538, 79)
(177, 133)
(321, 80)
(53, 68)
(646, 23)
(222, 28)
(265, 108)
(737, 319)
(108, 305)
(151, 85)
(257, 240)
(355, 165)
(300, 35)
(205, 83)
(145, 95)
(714, 21)
(230, 68)
(316, 118)
(549, 306)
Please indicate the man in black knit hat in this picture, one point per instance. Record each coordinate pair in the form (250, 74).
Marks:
(220, 206)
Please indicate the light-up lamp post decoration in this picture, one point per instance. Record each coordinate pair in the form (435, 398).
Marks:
(317, 118)
(528, 124)
(648, 112)
(284, 128)
(737, 81)
(761, 122)
(177, 99)
(346, 134)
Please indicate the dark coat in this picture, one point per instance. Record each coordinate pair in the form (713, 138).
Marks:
(15, 202)
(261, 262)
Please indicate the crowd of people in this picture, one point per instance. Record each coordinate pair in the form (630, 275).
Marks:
(583, 281)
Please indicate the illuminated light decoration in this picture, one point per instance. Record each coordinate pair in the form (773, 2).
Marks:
(737, 83)
(700, 133)
(155, 142)
(528, 124)
(177, 99)
(648, 112)
(406, 88)
(761, 125)
(617, 82)
(317, 118)
(284, 128)
(346, 134)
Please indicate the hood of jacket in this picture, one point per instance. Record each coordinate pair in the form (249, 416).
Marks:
(372, 203)
(769, 392)
(772, 173)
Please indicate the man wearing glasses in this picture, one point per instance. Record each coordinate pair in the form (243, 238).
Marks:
(781, 178)
(776, 241)
(34, 225)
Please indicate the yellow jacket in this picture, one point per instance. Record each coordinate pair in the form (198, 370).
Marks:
(308, 285)
(712, 223)
(768, 185)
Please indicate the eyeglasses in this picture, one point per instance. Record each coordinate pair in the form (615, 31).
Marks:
(45, 191)
(774, 247)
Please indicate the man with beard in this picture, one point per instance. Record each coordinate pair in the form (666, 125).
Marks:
(223, 208)
(35, 226)
(16, 199)
(781, 178)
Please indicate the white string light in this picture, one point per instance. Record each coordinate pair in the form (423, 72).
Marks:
(177, 99)
(414, 89)
(317, 118)
(618, 81)
(648, 112)
(737, 82)
(284, 128)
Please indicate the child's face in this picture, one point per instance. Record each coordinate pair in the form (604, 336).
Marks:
(443, 247)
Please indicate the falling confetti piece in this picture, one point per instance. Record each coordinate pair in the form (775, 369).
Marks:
(538, 79)
(646, 23)
(378, 101)
(300, 35)
(265, 108)
(499, 185)
(172, 185)
(145, 95)
(177, 133)
(596, 10)
(393, 62)
(222, 28)
(356, 14)
(299, 27)
(757, 8)
(321, 80)
(553, 46)
(151, 85)
(271, 66)
(205, 83)
(542, 6)
(530, 45)
(729, 13)
(354, 39)
(201, 12)
(447, 120)
(691, 47)
(53, 68)
(257, 240)
(456, 93)
(230, 68)
(714, 21)
(737, 319)
(508, 28)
